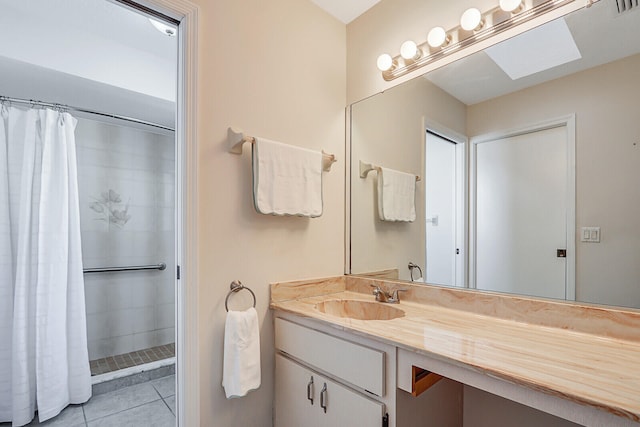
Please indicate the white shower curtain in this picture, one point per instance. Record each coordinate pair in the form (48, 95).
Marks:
(44, 362)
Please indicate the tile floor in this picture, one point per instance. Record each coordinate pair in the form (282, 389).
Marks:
(148, 404)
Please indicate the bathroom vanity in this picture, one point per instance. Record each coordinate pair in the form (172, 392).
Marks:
(345, 359)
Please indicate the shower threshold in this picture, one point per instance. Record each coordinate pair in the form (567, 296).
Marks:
(130, 361)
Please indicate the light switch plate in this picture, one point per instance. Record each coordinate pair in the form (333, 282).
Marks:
(590, 234)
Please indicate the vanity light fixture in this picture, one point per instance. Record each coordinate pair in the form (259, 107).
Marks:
(409, 51)
(386, 62)
(474, 27)
(471, 20)
(438, 37)
(512, 6)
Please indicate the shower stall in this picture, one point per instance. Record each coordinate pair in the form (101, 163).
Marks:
(126, 185)
(87, 221)
(87, 210)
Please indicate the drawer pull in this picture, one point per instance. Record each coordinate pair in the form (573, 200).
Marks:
(323, 398)
(310, 390)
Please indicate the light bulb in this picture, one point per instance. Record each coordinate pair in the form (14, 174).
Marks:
(385, 62)
(437, 37)
(409, 50)
(471, 20)
(510, 5)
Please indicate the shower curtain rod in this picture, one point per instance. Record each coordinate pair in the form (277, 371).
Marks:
(81, 110)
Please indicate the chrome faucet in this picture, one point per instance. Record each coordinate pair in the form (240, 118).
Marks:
(383, 296)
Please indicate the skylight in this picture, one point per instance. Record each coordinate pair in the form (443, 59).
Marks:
(540, 49)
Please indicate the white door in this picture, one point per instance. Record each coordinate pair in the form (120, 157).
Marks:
(521, 213)
(440, 209)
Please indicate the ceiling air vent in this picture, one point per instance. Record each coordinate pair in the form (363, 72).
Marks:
(626, 5)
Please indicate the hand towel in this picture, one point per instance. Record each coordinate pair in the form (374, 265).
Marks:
(241, 363)
(287, 180)
(396, 195)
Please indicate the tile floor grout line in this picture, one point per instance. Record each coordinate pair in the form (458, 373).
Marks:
(125, 410)
(167, 405)
(154, 387)
(84, 415)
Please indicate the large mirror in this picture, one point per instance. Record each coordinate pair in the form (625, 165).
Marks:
(528, 155)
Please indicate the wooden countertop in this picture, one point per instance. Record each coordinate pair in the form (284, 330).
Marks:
(595, 370)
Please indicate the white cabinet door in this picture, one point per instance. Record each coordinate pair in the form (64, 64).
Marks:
(344, 407)
(292, 407)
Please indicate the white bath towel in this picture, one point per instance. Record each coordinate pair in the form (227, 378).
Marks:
(241, 369)
(287, 180)
(396, 196)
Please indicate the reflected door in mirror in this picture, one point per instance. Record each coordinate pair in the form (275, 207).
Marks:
(521, 213)
(443, 213)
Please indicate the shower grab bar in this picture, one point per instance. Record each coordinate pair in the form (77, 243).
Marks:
(160, 266)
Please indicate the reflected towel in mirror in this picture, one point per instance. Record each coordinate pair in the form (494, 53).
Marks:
(396, 195)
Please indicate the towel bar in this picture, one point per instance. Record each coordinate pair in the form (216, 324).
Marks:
(365, 168)
(237, 286)
(237, 138)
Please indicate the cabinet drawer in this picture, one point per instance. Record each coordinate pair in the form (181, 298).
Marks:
(354, 363)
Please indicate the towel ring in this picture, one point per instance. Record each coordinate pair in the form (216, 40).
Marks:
(237, 286)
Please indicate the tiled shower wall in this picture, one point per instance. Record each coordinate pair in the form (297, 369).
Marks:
(126, 182)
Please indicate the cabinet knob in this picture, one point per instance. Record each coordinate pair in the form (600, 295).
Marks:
(310, 390)
(323, 398)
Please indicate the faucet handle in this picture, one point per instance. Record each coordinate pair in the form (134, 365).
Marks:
(394, 294)
(381, 296)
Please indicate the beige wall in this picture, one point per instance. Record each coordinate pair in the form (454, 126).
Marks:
(276, 69)
(605, 101)
(388, 130)
(279, 69)
(482, 409)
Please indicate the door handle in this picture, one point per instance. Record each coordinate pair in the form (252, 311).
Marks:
(323, 398)
(561, 253)
(310, 390)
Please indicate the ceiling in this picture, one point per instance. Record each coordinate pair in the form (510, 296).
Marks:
(346, 10)
(93, 39)
(600, 34)
(106, 44)
(91, 54)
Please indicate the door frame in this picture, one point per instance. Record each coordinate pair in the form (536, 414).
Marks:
(186, 218)
(569, 122)
(462, 187)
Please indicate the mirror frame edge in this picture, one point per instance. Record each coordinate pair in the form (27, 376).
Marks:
(463, 53)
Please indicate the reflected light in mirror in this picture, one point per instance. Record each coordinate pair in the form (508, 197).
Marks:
(471, 20)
